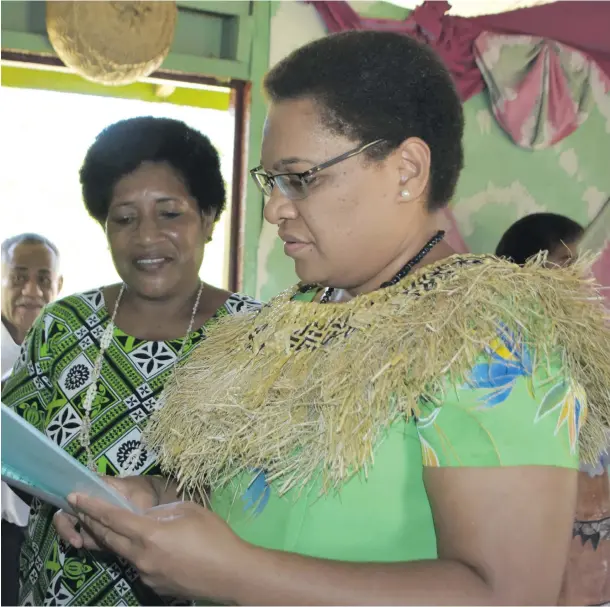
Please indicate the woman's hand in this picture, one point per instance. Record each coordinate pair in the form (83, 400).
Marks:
(180, 549)
(141, 491)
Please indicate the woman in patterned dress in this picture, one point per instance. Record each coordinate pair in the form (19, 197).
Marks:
(403, 427)
(156, 188)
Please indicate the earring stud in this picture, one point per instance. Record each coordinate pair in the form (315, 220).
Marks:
(405, 193)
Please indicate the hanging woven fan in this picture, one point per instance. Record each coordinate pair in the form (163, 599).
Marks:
(112, 43)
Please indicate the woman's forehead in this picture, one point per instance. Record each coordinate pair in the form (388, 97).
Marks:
(293, 111)
(294, 130)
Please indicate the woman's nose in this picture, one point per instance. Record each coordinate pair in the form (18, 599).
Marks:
(278, 208)
(148, 230)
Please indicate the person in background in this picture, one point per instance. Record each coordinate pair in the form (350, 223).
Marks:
(587, 581)
(30, 280)
(556, 234)
(380, 433)
(94, 366)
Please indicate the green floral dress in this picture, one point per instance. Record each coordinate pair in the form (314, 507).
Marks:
(47, 388)
(504, 414)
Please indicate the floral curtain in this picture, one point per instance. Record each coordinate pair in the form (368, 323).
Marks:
(540, 90)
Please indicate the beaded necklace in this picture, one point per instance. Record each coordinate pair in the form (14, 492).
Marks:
(105, 341)
(328, 293)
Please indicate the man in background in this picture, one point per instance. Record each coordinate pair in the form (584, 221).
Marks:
(30, 280)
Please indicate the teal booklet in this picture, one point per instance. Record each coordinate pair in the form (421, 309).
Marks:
(33, 463)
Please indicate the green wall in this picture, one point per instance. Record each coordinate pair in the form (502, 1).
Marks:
(502, 182)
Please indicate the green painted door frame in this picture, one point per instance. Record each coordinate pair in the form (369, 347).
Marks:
(259, 64)
(227, 41)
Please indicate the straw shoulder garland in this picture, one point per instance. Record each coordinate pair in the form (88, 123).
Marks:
(301, 388)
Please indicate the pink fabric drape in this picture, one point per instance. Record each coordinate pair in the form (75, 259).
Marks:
(540, 90)
(580, 24)
(451, 37)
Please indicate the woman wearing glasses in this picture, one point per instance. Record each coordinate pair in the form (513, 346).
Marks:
(402, 427)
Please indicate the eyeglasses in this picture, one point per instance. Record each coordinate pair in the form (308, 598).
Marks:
(295, 186)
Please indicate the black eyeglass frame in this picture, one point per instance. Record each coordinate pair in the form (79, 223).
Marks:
(304, 177)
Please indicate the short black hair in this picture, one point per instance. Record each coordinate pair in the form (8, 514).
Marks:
(123, 146)
(537, 232)
(27, 238)
(380, 85)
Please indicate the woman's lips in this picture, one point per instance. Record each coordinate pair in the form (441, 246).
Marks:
(151, 264)
(293, 249)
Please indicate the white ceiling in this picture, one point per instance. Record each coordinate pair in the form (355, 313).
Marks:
(473, 8)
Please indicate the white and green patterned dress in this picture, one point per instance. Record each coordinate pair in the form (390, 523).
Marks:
(47, 388)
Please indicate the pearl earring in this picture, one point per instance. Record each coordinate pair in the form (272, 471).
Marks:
(405, 193)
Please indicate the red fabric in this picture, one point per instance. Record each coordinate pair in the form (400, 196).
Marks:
(451, 37)
(581, 24)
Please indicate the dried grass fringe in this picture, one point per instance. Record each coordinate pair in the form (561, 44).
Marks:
(247, 399)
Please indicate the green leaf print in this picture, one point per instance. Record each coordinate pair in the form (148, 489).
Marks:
(552, 399)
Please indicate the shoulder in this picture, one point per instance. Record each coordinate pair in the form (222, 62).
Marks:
(65, 316)
(515, 406)
(238, 303)
(78, 304)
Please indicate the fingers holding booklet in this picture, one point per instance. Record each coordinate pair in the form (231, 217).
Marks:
(34, 464)
(140, 491)
(24, 448)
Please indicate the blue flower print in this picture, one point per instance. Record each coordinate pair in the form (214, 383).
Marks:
(257, 494)
(507, 361)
